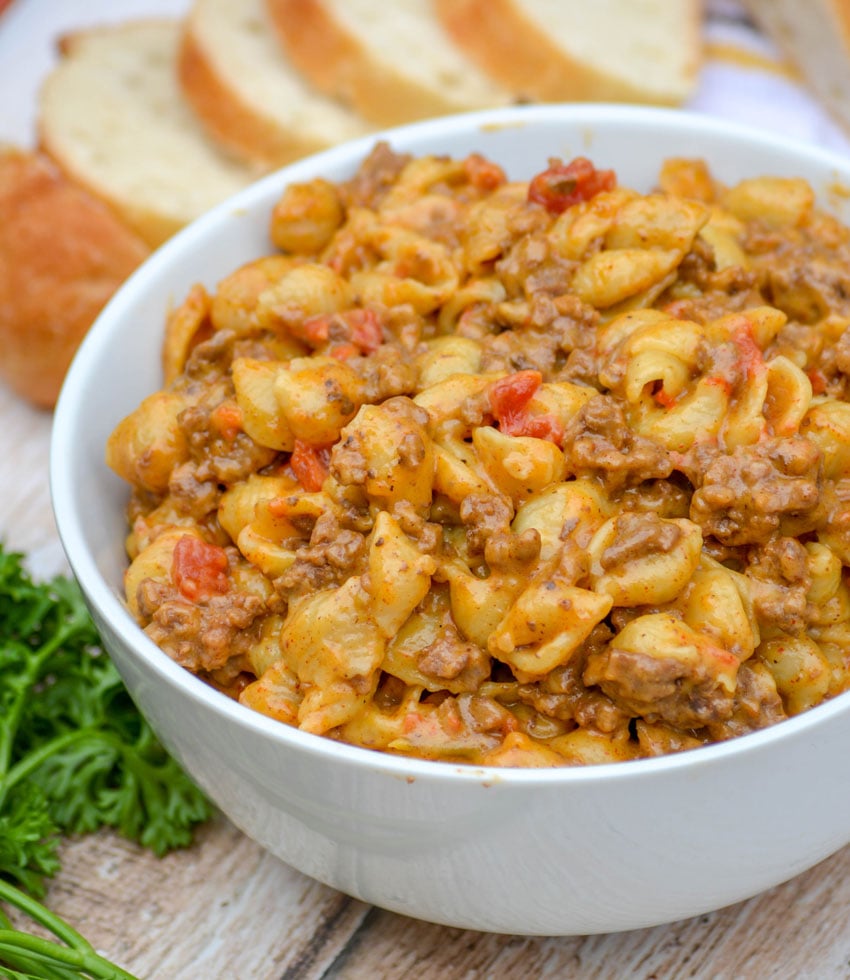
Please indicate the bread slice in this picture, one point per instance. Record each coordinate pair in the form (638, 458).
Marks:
(605, 50)
(390, 59)
(111, 114)
(247, 92)
(815, 37)
(62, 255)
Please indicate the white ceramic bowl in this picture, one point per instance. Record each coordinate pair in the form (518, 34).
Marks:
(563, 851)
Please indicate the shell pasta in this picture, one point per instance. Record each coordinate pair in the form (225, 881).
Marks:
(506, 472)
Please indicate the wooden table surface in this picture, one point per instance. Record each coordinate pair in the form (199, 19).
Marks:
(226, 910)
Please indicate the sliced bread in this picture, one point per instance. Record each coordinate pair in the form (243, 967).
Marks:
(62, 255)
(392, 61)
(247, 92)
(815, 37)
(111, 114)
(552, 50)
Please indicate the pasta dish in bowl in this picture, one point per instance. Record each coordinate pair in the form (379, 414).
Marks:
(499, 448)
(519, 473)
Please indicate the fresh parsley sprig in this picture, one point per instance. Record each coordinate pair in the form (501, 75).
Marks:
(28, 957)
(75, 756)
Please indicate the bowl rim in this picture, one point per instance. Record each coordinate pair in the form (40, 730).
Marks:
(101, 596)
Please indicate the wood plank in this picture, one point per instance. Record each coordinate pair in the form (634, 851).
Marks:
(223, 908)
(798, 930)
(26, 516)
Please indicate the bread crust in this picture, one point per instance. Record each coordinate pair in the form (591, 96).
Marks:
(235, 125)
(517, 52)
(337, 64)
(62, 255)
(314, 43)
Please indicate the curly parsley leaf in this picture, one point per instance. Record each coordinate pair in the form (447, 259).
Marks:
(72, 736)
(28, 839)
(75, 756)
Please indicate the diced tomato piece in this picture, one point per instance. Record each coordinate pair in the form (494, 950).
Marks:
(314, 331)
(342, 352)
(662, 397)
(751, 356)
(483, 174)
(362, 328)
(818, 380)
(227, 419)
(543, 427)
(509, 399)
(199, 569)
(309, 464)
(564, 184)
(365, 329)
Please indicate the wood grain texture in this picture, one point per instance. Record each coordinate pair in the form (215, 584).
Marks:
(226, 910)
(222, 908)
(26, 516)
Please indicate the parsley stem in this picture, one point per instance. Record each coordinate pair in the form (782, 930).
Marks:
(43, 916)
(9, 727)
(77, 953)
(30, 967)
(44, 950)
